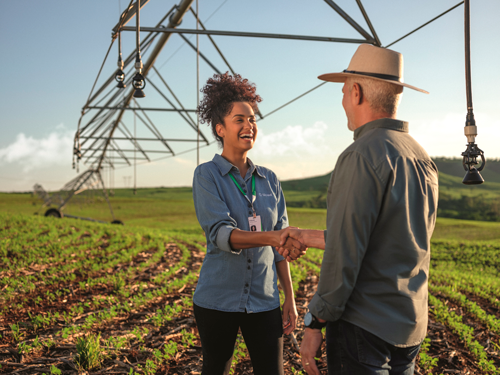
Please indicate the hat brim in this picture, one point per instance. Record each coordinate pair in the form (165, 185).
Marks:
(341, 77)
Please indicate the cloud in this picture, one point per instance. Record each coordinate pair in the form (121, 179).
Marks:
(294, 139)
(31, 153)
(298, 151)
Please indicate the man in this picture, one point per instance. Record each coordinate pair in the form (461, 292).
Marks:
(382, 204)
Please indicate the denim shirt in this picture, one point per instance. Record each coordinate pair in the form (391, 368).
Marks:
(237, 280)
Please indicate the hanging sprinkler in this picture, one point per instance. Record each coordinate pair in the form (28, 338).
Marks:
(120, 75)
(470, 155)
(139, 82)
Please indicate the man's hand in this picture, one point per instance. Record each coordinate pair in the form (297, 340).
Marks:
(310, 348)
(291, 251)
(288, 239)
(289, 316)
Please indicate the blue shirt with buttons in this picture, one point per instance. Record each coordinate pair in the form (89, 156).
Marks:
(237, 280)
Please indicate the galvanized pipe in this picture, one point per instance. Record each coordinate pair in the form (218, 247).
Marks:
(248, 34)
(350, 21)
(144, 109)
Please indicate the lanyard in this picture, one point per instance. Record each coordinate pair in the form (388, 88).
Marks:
(254, 196)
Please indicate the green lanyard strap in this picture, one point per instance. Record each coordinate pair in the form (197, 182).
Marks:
(254, 195)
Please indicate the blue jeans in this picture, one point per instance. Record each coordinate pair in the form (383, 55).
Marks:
(353, 351)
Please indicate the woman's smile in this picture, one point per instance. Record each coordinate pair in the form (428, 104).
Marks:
(239, 130)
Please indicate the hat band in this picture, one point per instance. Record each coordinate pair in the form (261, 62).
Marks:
(375, 75)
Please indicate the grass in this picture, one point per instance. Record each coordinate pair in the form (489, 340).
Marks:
(172, 209)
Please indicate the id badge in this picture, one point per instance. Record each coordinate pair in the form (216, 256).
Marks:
(255, 224)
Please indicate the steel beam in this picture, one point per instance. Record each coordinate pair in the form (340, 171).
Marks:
(369, 23)
(147, 139)
(144, 109)
(249, 34)
(351, 22)
(425, 24)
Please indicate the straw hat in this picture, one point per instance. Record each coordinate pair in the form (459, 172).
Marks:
(373, 62)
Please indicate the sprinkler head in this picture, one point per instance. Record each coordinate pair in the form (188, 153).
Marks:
(473, 177)
(139, 83)
(120, 77)
(470, 155)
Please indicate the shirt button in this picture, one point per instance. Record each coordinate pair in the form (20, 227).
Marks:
(249, 260)
(249, 267)
(246, 285)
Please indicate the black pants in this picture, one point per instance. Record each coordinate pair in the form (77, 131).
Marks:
(263, 334)
(353, 351)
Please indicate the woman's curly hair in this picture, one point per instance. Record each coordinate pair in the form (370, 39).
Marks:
(220, 93)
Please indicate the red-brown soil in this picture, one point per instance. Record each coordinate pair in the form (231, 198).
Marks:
(445, 345)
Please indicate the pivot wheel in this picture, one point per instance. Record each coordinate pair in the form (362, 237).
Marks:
(54, 212)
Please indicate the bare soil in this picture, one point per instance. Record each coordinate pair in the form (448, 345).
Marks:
(445, 345)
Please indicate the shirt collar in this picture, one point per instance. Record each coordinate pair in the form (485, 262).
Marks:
(225, 166)
(387, 123)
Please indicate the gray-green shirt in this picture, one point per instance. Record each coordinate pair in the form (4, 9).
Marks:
(382, 205)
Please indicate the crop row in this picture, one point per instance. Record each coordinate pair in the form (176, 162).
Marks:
(48, 268)
(476, 282)
(468, 254)
(121, 302)
(115, 264)
(448, 291)
(464, 332)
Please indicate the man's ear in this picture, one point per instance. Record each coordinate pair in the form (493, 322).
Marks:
(357, 94)
(219, 128)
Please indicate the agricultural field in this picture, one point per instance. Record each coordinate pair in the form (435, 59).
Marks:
(101, 298)
(78, 296)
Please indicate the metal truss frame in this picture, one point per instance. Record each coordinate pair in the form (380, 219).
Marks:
(96, 138)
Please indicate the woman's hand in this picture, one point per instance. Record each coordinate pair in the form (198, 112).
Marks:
(289, 316)
(292, 248)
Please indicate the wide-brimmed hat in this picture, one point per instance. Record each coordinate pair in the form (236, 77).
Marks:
(373, 62)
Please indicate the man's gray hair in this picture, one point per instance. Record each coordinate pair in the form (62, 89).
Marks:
(382, 96)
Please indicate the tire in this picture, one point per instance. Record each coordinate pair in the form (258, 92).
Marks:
(54, 212)
(117, 222)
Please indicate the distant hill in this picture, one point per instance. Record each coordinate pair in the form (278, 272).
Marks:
(456, 200)
(451, 173)
(319, 183)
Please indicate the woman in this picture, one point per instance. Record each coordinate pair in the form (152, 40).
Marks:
(241, 208)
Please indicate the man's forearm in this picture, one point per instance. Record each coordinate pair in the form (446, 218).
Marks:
(313, 238)
(241, 239)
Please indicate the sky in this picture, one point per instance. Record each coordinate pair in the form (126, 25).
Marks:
(52, 52)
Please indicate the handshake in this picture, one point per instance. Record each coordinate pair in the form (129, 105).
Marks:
(294, 242)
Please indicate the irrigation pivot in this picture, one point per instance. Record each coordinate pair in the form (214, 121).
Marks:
(104, 138)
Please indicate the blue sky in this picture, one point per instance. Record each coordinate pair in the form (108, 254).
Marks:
(52, 52)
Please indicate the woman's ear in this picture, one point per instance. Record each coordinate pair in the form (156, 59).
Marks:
(219, 128)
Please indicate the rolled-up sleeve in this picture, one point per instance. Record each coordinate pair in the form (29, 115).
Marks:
(354, 200)
(211, 210)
